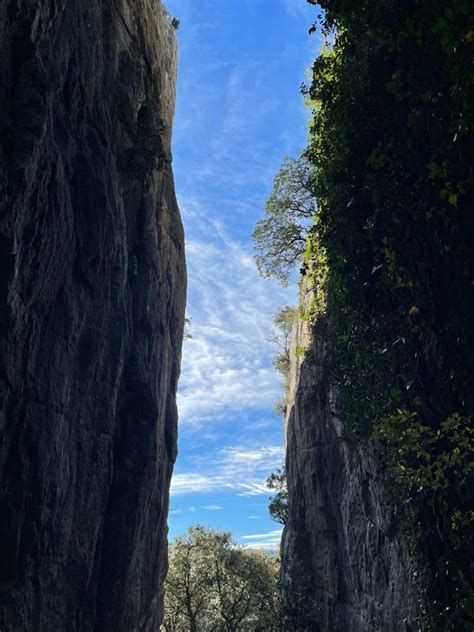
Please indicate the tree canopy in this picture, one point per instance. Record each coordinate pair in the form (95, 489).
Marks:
(280, 237)
(215, 585)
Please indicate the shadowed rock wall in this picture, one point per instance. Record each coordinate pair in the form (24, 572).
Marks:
(344, 567)
(92, 291)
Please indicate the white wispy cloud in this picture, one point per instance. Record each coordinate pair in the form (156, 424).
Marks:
(252, 489)
(238, 468)
(227, 364)
(276, 534)
(266, 541)
(211, 507)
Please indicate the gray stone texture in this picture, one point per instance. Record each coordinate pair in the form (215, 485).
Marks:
(345, 569)
(92, 292)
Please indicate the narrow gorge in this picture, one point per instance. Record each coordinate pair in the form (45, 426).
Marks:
(91, 313)
(372, 216)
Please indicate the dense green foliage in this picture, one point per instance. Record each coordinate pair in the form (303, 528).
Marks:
(215, 586)
(392, 144)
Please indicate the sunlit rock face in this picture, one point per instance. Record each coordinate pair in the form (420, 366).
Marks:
(92, 287)
(344, 567)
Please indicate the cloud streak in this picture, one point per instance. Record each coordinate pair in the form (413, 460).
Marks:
(264, 541)
(227, 362)
(238, 468)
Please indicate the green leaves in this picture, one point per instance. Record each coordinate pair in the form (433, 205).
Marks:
(391, 144)
(213, 584)
(278, 506)
(280, 237)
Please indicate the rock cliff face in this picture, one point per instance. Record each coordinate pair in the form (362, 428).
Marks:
(92, 290)
(345, 569)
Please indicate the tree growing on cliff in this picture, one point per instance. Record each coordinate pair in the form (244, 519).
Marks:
(280, 237)
(281, 337)
(213, 584)
(278, 505)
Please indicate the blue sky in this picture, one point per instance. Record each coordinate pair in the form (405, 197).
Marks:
(239, 112)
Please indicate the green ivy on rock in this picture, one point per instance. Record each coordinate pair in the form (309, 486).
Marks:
(391, 254)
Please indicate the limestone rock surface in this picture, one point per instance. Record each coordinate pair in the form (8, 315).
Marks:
(92, 292)
(345, 569)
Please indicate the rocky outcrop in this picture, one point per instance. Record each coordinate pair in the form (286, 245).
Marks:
(92, 287)
(345, 568)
